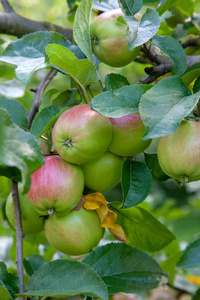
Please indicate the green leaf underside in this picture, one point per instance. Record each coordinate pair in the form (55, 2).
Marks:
(136, 183)
(166, 4)
(190, 257)
(142, 230)
(120, 102)
(8, 281)
(69, 278)
(164, 106)
(20, 153)
(82, 71)
(175, 52)
(12, 88)
(125, 269)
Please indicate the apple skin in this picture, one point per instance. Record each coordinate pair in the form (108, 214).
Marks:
(127, 136)
(56, 187)
(5, 187)
(109, 41)
(103, 173)
(31, 220)
(75, 233)
(81, 134)
(179, 152)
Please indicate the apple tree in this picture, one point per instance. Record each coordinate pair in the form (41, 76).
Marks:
(100, 151)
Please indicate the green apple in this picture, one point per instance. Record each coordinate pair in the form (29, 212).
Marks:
(5, 187)
(56, 187)
(75, 233)
(81, 134)
(127, 136)
(104, 172)
(179, 152)
(109, 41)
(31, 220)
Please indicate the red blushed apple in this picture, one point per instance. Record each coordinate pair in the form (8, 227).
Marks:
(104, 172)
(56, 187)
(127, 136)
(75, 233)
(179, 152)
(81, 134)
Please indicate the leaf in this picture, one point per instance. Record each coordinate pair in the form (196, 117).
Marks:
(32, 263)
(175, 52)
(81, 28)
(197, 295)
(94, 201)
(157, 173)
(82, 71)
(191, 73)
(136, 183)
(28, 52)
(15, 110)
(196, 86)
(12, 88)
(185, 6)
(67, 98)
(141, 32)
(121, 102)
(164, 6)
(130, 7)
(115, 81)
(9, 281)
(45, 119)
(125, 269)
(142, 230)
(20, 153)
(4, 294)
(105, 5)
(190, 257)
(69, 278)
(164, 106)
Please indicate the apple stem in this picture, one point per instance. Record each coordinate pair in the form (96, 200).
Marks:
(50, 211)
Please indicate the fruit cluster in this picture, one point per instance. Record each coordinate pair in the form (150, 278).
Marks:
(91, 151)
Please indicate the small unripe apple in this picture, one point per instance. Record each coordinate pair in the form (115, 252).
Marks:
(81, 134)
(109, 41)
(5, 187)
(75, 233)
(179, 152)
(31, 220)
(103, 173)
(127, 136)
(56, 187)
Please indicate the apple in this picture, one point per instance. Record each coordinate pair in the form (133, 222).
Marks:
(31, 220)
(179, 152)
(56, 187)
(5, 187)
(104, 172)
(75, 233)
(127, 136)
(81, 134)
(109, 41)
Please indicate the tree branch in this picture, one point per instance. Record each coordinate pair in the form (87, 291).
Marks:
(7, 7)
(39, 92)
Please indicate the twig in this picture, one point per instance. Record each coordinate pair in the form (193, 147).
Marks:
(89, 89)
(82, 94)
(19, 234)
(7, 7)
(38, 95)
(150, 54)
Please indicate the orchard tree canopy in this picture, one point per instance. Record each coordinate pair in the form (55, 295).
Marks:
(100, 149)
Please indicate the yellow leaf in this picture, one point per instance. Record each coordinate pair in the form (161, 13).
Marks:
(194, 279)
(109, 217)
(118, 233)
(94, 201)
(102, 213)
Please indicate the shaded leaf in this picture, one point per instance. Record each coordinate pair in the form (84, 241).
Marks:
(197, 295)
(157, 173)
(9, 281)
(165, 5)
(12, 88)
(191, 73)
(105, 5)
(32, 263)
(130, 7)
(190, 257)
(115, 81)
(4, 294)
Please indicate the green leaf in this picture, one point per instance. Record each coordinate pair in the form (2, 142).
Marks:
(20, 153)
(45, 119)
(121, 102)
(196, 86)
(81, 28)
(105, 5)
(142, 230)
(28, 52)
(191, 73)
(15, 110)
(141, 32)
(136, 183)
(165, 5)
(175, 52)
(69, 278)
(185, 6)
(82, 71)
(164, 106)
(130, 7)
(67, 98)
(9, 281)
(190, 257)
(47, 98)
(32, 263)
(125, 269)
(12, 89)
(157, 173)
(4, 294)
(197, 295)
(115, 81)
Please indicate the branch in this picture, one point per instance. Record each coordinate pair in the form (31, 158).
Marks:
(19, 234)
(7, 7)
(39, 92)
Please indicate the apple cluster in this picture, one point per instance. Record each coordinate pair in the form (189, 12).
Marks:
(91, 150)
